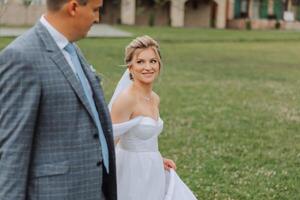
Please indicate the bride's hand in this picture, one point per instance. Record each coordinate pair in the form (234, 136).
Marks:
(169, 164)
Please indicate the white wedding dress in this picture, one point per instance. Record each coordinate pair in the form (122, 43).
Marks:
(140, 171)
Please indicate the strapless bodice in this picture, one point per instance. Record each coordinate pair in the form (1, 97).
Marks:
(139, 134)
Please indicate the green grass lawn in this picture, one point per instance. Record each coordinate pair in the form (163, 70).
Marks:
(230, 101)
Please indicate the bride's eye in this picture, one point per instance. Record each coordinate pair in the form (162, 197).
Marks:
(153, 61)
(140, 62)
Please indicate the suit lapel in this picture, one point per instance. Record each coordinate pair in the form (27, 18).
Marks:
(58, 58)
(98, 94)
(63, 65)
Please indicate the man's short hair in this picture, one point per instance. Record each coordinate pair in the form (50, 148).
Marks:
(55, 5)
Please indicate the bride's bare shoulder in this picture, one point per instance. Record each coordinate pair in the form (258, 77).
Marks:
(156, 97)
(125, 98)
(122, 107)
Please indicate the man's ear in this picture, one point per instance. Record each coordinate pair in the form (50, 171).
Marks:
(72, 7)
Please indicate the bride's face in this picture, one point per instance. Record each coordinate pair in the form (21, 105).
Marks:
(145, 66)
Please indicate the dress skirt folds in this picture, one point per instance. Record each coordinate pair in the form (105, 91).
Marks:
(140, 170)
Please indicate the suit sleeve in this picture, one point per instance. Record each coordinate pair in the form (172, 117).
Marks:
(19, 101)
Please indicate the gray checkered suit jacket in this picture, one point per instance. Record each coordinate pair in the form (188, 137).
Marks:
(49, 147)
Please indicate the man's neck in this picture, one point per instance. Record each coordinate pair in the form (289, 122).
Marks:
(56, 20)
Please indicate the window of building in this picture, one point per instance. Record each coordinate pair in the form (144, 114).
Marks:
(241, 9)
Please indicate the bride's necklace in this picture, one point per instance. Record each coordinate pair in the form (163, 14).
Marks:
(146, 98)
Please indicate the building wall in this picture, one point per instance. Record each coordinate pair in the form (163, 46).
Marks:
(266, 9)
(197, 16)
(120, 11)
(18, 14)
(160, 16)
(33, 2)
(111, 12)
(270, 18)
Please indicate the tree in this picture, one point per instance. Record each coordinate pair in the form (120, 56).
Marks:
(27, 4)
(3, 6)
(155, 6)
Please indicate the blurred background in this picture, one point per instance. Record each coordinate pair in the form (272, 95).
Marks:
(229, 87)
(240, 14)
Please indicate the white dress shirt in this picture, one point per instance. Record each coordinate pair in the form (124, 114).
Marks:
(61, 42)
(59, 39)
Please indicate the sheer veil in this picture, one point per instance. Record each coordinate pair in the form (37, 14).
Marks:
(124, 83)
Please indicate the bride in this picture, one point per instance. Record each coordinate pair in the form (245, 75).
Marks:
(142, 173)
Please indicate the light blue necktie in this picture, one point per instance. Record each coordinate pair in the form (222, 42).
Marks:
(85, 84)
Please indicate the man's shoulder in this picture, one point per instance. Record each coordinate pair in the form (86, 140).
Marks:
(26, 40)
(28, 44)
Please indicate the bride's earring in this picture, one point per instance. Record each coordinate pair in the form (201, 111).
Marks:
(130, 76)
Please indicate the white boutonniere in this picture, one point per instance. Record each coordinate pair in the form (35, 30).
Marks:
(93, 69)
(97, 74)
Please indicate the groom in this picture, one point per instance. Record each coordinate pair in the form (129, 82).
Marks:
(55, 130)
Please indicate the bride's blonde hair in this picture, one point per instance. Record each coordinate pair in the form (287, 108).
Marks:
(139, 44)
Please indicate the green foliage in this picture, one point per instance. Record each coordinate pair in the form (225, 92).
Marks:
(3, 6)
(27, 2)
(155, 3)
(230, 105)
(161, 2)
(277, 25)
(298, 12)
(151, 21)
(248, 25)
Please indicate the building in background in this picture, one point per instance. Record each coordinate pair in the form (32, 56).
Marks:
(177, 13)
(21, 12)
(240, 14)
(264, 14)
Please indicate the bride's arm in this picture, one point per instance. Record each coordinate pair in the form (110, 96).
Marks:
(121, 110)
(117, 140)
(169, 164)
